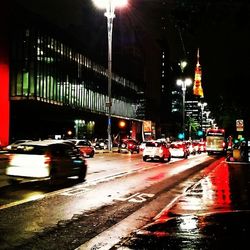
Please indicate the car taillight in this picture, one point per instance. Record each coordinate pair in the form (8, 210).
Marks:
(47, 160)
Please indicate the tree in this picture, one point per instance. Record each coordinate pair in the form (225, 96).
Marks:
(193, 126)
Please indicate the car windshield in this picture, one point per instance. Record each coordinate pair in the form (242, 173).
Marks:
(83, 143)
(19, 141)
(31, 149)
(153, 144)
(177, 146)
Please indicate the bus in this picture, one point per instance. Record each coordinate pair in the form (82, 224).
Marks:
(215, 141)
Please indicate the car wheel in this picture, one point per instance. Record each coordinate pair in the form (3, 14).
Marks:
(144, 158)
(82, 175)
(53, 178)
(162, 159)
(91, 154)
(13, 182)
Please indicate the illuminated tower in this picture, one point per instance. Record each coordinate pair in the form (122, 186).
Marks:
(197, 89)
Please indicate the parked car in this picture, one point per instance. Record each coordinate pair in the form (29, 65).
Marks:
(45, 159)
(129, 145)
(156, 150)
(84, 146)
(179, 150)
(14, 144)
(100, 144)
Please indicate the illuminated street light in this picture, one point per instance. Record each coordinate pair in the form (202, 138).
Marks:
(202, 105)
(183, 84)
(182, 65)
(78, 125)
(122, 124)
(110, 6)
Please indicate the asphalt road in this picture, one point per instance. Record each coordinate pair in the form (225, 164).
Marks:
(214, 213)
(120, 191)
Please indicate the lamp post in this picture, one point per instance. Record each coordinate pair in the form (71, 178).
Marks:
(110, 6)
(202, 105)
(182, 65)
(183, 83)
(79, 126)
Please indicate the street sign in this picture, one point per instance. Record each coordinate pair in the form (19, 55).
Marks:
(239, 125)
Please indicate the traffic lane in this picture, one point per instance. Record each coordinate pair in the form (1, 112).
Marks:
(120, 163)
(103, 164)
(21, 223)
(101, 168)
(213, 214)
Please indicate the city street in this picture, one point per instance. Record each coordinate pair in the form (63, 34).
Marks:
(120, 125)
(117, 186)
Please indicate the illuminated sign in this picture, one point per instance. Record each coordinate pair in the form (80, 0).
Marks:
(239, 125)
(147, 126)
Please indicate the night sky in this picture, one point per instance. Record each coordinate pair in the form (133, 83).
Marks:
(220, 29)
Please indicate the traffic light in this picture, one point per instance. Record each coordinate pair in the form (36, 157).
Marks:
(181, 136)
(200, 133)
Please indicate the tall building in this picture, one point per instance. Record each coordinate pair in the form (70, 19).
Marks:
(49, 84)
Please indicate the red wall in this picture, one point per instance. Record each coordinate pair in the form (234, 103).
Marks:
(4, 80)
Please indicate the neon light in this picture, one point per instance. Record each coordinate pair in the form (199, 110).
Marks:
(4, 93)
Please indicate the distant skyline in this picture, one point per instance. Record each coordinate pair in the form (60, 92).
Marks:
(220, 29)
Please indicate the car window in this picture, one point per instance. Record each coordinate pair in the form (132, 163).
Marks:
(31, 149)
(57, 150)
(153, 144)
(83, 143)
(71, 151)
(63, 150)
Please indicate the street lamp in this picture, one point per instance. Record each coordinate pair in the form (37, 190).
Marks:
(110, 6)
(183, 83)
(182, 65)
(202, 105)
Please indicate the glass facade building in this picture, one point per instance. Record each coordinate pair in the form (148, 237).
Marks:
(52, 83)
(45, 69)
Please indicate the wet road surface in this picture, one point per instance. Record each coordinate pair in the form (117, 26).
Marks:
(214, 213)
(68, 217)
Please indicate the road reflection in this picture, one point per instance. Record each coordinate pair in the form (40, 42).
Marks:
(211, 214)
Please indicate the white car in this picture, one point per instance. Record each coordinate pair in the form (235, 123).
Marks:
(179, 150)
(156, 150)
(45, 159)
(14, 144)
(142, 145)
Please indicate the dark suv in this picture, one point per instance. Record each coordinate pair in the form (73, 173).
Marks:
(46, 159)
(129, 145)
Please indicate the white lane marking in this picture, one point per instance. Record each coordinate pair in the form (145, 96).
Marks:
(137, 197)
(66, 191)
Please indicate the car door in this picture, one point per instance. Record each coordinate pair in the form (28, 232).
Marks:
(165, 150)
(62, 163)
